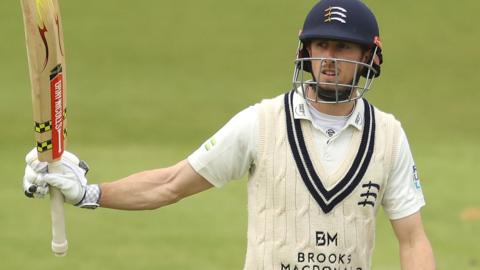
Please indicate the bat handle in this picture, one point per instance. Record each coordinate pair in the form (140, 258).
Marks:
(59, 238)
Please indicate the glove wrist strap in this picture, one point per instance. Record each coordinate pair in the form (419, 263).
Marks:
(91, 197)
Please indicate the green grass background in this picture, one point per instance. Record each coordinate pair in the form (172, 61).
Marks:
(149, 81)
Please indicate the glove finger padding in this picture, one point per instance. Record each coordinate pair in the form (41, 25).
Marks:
(32, 161)
(33, 183)
(71, 181)
(70, 178)
(41, 192)
(73, 166)
(71, 158)
(72, 185)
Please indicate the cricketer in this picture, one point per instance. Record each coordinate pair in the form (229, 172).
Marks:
(320, 159)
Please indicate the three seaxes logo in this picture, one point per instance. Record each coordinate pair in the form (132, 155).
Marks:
(335, 14)
(370, 195)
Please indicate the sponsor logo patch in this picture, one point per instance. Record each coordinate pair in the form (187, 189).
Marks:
(416, 180)
(300, 110)
(210, 144)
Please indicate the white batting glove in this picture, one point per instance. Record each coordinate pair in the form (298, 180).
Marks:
(70, 179)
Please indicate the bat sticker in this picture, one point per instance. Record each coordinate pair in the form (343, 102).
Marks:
(43, 127)
(57, 110)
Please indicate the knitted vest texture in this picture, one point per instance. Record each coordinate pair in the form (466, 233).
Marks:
(300, 218)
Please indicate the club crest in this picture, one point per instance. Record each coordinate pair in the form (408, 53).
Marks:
(369, 197)
(335, 14)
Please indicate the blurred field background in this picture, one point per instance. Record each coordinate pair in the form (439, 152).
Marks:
(149, 81)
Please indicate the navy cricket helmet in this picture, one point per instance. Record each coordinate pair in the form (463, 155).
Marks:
(340, 20)
(347, 20)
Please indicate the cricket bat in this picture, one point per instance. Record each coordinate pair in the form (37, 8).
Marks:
(46, 60)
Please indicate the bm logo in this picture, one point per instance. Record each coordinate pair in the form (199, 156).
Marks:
(325, 239)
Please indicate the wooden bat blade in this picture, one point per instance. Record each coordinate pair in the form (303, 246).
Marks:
(47, 75)
(43, 34)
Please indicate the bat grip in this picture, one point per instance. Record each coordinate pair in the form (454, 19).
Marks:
(59, 238)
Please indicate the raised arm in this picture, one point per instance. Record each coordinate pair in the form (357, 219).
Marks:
(141, 191)
(153, 189)
(225, 156)
(415, 249)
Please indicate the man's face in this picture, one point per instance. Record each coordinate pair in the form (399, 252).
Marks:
(342, 72)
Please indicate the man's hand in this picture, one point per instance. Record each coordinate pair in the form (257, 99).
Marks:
(71, 181)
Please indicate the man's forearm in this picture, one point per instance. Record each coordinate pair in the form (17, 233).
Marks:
(417, 255)
(141, 191)
(153, 189)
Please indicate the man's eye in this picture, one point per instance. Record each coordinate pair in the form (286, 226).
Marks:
(322, 44)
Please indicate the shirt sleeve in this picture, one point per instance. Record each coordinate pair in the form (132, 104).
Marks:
(229, 153)
(403, 195)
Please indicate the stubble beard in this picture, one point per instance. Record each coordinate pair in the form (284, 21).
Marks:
(329, 92)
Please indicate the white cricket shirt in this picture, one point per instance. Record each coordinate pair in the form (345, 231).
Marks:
(231, 152)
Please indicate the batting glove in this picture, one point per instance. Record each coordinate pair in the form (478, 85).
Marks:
(69, 179)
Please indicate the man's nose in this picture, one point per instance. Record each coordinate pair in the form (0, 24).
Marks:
(330, 52)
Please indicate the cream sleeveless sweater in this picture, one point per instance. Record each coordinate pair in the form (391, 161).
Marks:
(299, 218)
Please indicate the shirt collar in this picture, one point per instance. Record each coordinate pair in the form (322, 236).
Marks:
(301, 111)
